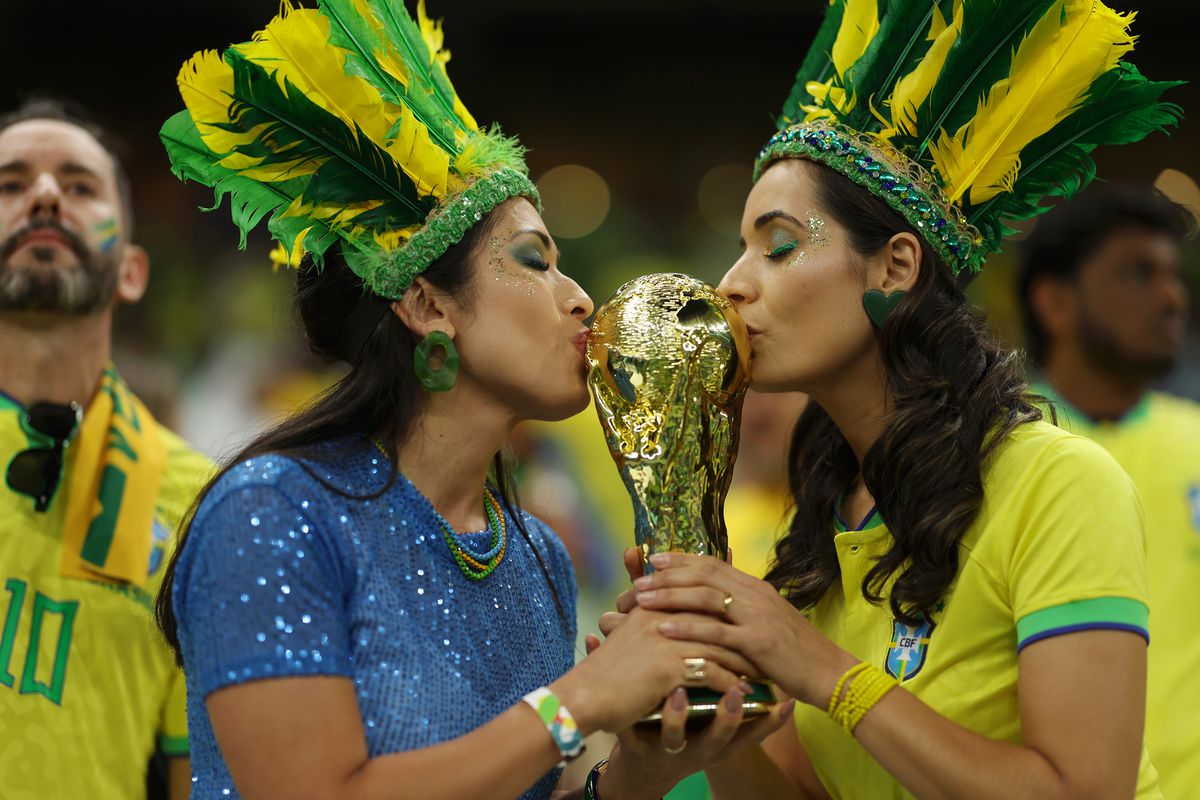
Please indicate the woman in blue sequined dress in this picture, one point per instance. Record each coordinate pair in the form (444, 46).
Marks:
(334, 643)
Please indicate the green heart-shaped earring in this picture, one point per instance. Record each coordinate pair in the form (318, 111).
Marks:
(878, 305)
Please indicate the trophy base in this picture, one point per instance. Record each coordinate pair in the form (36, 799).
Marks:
(703, 703)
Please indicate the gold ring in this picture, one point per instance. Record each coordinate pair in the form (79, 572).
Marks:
(725, 604)
(677, 750)
(693, 669)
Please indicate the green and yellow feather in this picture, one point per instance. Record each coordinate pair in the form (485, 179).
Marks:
(1000, 101)
(339, 124)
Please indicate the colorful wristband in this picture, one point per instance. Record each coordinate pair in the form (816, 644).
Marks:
(558, 721)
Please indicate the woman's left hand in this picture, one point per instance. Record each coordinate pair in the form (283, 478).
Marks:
(746, 615)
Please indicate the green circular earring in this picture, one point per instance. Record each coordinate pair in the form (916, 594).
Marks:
(878, 305)
(440, 379)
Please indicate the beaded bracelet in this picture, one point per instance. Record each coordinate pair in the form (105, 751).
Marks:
(558, 721)
(591, 787)
(836, 698)
(866, 690)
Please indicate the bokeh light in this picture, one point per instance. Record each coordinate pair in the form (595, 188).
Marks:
(576, 200)
(1180, 187)
(722, 194)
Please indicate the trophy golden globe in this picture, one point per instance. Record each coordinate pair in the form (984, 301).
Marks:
(669, 367)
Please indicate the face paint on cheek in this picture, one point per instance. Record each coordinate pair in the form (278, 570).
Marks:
(818, 238)
(501, 268)
(108, 232)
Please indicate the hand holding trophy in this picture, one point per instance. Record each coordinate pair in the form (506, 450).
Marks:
(669, 367)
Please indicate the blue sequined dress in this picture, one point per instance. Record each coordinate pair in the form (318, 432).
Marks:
(282, 576)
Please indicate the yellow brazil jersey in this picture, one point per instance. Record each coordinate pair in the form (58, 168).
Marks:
(1058, 546)
(1158, 444)
(88, 690)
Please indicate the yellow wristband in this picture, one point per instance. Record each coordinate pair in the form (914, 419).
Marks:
(835, 699)
(864, 693)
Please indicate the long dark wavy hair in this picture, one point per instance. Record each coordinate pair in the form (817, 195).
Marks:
(380, 395)
(954, 394)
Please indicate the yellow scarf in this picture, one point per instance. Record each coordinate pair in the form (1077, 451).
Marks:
(116, 469)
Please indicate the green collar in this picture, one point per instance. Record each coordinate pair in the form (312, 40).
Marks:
(7, 402)
(1139, 412)
(872, 520)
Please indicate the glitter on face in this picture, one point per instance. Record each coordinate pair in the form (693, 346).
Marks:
(818, 238)
(521, 279)
(818, 234)
(781, 250)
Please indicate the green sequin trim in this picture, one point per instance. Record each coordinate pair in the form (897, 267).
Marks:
(393, 272)
(890, 176)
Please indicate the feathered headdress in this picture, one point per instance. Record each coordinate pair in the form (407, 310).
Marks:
(964, 114)
(340, 125)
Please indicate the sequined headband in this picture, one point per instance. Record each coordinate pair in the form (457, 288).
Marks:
(389, 274)
(889, 175)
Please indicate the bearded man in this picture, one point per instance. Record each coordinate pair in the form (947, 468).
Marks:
(93, 487)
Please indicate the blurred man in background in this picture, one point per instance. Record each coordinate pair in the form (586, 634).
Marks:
(94, 488)
(1105, 308)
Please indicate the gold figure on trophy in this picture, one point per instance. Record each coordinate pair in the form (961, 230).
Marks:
(669, 367)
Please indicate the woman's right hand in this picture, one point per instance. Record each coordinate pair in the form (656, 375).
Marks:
(628, 677)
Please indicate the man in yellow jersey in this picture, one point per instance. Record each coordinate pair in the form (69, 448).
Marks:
(1105, 307)
(93, 487)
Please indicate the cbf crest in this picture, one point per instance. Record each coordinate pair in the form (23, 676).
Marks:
(908, 649)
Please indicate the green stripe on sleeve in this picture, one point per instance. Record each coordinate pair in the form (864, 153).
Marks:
(173, 745)
(1120, 613)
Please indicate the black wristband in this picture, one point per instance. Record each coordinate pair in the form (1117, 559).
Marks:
(591, 785)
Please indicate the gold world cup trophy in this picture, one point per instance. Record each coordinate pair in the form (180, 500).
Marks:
(669, 367)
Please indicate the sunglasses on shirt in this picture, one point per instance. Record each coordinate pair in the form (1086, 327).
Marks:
(36, 472)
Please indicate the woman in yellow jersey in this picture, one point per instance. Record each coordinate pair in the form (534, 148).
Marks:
(360, 609)
(981, 633)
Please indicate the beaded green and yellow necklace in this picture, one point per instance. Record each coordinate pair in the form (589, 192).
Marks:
(475, 566)
(478, 566)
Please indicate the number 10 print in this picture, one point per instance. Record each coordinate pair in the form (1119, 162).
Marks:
(42, 607)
